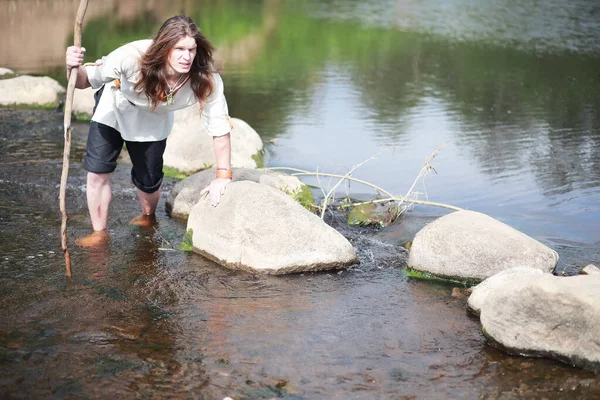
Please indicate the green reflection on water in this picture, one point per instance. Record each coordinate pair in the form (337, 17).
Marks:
(225, 22)
(486, 82)
(393, 69)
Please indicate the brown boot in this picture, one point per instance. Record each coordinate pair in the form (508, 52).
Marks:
(95, 239)
(144, 220)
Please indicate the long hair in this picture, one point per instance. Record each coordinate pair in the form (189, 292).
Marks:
(153, 80)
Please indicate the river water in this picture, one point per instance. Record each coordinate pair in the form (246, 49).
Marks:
(513, 91)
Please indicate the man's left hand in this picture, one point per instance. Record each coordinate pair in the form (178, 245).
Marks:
(216, 189)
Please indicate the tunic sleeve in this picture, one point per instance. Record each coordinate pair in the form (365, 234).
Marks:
(215, 112)
(113, 66)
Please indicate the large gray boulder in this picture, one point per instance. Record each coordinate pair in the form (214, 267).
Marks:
(30, 90)
(190, 147)
(185, 194)
(258, 228)
(467, 245)
(547, 316)
(481, 291)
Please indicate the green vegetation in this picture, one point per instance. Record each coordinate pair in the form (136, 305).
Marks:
(187, 244)
(223, 22)
(413, 273)
(303, 195)
(227, 21)
(47, 106)
(81, 117)
(103, 35)
(259, 159)
(174, 173)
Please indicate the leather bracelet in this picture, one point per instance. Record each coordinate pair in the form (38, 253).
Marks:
(223, 173)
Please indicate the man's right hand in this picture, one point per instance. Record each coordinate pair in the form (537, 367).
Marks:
(74, 57)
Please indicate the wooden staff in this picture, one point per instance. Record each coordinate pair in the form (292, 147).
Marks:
(67, 125)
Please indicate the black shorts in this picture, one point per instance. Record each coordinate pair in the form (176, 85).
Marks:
(104, 145)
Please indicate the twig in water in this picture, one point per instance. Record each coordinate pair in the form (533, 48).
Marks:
(427, 168)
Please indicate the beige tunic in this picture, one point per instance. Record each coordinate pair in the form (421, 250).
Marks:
(130, 113)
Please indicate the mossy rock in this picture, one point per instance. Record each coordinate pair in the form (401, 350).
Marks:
(369, 214)
(188, 243)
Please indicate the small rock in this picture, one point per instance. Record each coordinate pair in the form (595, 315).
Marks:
(458, 293)
(6, 71)
(590, 269)
(30, 90)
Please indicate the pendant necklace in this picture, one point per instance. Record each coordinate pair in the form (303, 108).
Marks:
(171, 94)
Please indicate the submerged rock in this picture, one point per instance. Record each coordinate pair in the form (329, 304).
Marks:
(30, 90)
(258, 228)
(481, 291)
(547, 316)
(185, 194)
(371, 214)
(190, 147)
(468, 245)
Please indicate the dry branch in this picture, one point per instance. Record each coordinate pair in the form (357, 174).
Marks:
(427, 168)
(67, 133)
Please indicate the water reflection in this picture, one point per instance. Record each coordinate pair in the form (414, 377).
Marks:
(514, 88)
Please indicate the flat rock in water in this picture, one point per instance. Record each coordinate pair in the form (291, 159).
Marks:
(590, 269)
(185, 194)
(190, 147)
(547, 316)
(30, 90)
(468, 245)
(258, 228)
(481, 291)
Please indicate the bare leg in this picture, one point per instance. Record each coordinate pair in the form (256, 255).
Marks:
(99, 196)
(148, 202)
